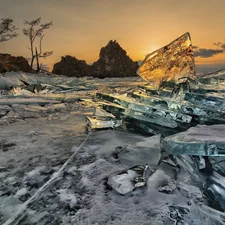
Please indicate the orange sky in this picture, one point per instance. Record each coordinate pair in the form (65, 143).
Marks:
(82, 27)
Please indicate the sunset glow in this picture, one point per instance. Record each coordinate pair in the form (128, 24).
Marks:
(81, 28)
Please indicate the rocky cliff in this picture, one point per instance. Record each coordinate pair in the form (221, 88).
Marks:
(113, 62)
(71, 66)
(13, 63)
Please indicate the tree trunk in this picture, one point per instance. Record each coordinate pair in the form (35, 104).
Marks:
(38, 66)
(32, 62)
(32, 54)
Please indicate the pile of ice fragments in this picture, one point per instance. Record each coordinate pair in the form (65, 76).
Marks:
(183, 113)
(24, 96)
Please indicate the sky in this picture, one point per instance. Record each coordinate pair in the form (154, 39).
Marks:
(81, 27)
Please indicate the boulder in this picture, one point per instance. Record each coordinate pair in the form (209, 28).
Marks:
(13, 63)
(72, 67)
(114, 62)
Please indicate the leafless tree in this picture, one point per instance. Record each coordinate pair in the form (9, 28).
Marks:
(7, 30)
(34, 31)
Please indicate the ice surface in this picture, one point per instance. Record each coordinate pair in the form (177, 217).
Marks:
(199, 140)
(171, 62)
(9, 204)
(68, 197)
(174, 193)
(148, 153)
(170, 196)
(21, 192)
(26, 101)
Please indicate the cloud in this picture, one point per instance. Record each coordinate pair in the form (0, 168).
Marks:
(206, 53)
(220, 44)
(194, 47)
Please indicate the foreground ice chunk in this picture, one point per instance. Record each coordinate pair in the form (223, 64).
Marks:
(215, 188)
(6, 84)
(199, 140)
(144, 127)
(152, 118)
(100, 112)
(164, 114)
(209, 102)
(126, 181)
(171, 62)
(218, 163)
(216, 74)
(149, 90)
(152, 114)
(195, 110)
(150, 100)
(146, 153)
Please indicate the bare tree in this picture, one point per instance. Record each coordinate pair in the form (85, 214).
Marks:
(34, 31)
(7, 30)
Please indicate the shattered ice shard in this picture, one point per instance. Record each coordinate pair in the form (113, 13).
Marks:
(126, 181)
(147, 152)
(218, 163)
(172, 62)
(216, 74)
(206, 101)
(178, 212)
(214, 189)
(200, 140)
(101, 122)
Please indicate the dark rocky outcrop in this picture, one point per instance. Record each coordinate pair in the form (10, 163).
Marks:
(13, 63)
(114, 62)
(72, 67)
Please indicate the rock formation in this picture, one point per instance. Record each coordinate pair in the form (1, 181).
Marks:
(114, 62)
(71, 66)
(13, 63)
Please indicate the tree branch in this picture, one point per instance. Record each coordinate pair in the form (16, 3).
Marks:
(7, 30)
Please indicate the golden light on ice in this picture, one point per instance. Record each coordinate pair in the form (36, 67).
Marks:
(170, 62)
